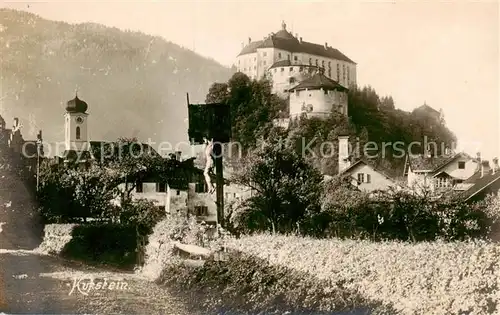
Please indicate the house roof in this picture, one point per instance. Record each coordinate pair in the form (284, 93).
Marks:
(371, 164)
(481, 183)
(420, 163)
(477, 174)
(427, 108)
(286, 41)
(318, 81)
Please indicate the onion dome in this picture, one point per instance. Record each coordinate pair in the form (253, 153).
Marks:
(76, 105)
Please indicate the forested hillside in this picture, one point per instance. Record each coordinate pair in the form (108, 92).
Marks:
(135, 84)
(371, 118)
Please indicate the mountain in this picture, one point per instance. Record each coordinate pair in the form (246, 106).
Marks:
(135, 84)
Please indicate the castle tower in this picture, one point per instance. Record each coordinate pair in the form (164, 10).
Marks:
(76, 126)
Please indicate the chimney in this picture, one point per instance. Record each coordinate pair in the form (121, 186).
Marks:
(343, 153)
(178, 155)
(16, 123)
(326, 45)
(249, 40)
(300, 39)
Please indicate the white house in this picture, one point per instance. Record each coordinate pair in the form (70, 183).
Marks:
(368, 177)
(439, 172)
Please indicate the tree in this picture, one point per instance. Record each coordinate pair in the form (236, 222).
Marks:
(287, 188)
(253, 106)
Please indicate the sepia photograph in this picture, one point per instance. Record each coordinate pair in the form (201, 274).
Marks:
(243, 157)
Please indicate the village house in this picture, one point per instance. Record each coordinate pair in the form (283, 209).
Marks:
(368, 177)
(439, 172)
(485, 181)
(185, 191)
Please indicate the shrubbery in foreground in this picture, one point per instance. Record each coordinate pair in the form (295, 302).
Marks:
(250, 285)
(423, 278)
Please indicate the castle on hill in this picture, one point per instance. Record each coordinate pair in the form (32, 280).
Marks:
(315, 77)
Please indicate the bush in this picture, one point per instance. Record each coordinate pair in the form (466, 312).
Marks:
(103, 244)
(250, 285)
(398, 215)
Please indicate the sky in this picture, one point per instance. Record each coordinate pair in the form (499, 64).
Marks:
(445, 54)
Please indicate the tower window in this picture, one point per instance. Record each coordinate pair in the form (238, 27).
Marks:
(78, 135)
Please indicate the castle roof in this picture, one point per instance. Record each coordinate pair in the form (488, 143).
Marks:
(318, 81)
(286, 41)
(76, 105)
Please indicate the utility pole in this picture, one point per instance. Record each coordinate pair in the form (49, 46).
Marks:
(37, 163)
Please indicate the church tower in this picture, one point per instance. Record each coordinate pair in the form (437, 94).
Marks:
(76, 128)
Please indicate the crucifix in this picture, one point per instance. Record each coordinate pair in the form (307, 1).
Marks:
(210, 124)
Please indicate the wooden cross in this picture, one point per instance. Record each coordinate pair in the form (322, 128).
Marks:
(212, 121)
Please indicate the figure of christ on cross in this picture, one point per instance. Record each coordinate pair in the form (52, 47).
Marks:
(209, 166)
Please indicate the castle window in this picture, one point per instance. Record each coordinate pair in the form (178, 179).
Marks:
(348, 76)
(301, 69)
(292, 80)
(78, 135)
(310, 61)
(295, 58)
(288, 57)
(279, 55)
(368, 178)
(291, 69)
(178, 192)
(282, 69)
(338, 72)
(275, 70)
(317, 62)
(326, 92)
(297, 93)
(330, 73)
(461, 165)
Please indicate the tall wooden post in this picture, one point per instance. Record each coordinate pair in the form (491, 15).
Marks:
(219, 182)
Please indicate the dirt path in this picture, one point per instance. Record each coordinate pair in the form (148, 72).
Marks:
(33, 283)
